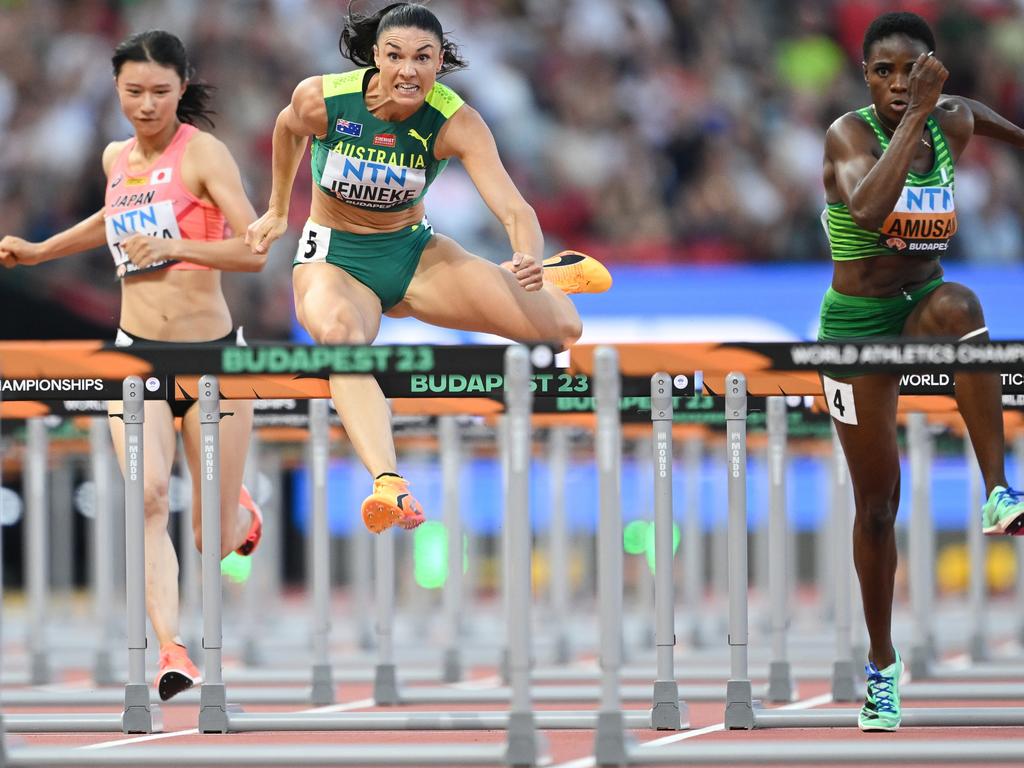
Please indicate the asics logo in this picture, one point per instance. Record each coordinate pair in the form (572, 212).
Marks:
(413, 133)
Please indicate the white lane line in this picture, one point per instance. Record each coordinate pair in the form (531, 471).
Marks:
(492, 681)
(589, 762)
(139, 739)
(344, 707)
(486, 682)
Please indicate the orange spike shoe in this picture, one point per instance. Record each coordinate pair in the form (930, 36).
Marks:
(575, 272)
(252, 539)
(177, 672)
(391, 504)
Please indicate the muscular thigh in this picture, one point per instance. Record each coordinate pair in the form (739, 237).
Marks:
(950, 310)
(453, 288)
(870, 444)
(326, 296)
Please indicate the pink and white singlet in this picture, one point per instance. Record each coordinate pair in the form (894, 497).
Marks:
(156, 202)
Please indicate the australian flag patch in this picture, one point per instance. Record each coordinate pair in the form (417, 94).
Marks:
(348, 128)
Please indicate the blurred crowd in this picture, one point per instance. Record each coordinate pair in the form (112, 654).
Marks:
(642, 130)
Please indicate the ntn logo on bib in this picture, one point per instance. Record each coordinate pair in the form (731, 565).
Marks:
(925, 200)
(369, 183)
(154, 220)
(922, 213)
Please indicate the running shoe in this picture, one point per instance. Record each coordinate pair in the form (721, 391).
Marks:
(1003, 513)
(252, 539)
(881, 710)
(177, 672)
(391, 504)
(575, 272)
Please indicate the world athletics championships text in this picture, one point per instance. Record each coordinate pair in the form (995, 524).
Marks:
(912, 353)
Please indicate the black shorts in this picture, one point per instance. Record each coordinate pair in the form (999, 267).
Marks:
(178, 407)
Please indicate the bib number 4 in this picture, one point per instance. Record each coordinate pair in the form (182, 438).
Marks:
(839, 396)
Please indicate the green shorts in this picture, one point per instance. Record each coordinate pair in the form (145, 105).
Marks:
(863, 317)
(384, 263)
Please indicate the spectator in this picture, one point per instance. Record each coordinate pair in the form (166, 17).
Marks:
(643, 130)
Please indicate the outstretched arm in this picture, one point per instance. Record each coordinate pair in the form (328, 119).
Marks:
(305, 116)
(468, 138)
(85, 235)
(218, 175)
(988, 122)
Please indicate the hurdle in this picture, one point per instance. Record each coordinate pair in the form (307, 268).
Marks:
(612, 748)
(139, 714)
(386, 691)
(101, 552)
(737, 641)
(969, 682)
(523, 746)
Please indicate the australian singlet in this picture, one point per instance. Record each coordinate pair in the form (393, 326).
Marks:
(374, 178)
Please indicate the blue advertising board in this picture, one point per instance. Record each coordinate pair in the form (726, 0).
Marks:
(684, 303)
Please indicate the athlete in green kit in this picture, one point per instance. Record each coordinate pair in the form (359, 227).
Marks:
(381, 134)
(889, 186)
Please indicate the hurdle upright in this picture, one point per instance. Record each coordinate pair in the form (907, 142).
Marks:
(742, 712)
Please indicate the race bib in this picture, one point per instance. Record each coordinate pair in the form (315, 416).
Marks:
(369, 184)
(154, 220)
(313, 244)
(923, 220)
(839, 396)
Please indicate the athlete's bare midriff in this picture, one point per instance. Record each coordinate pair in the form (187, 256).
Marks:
(186, 306)
(884, 276)
(330, 212)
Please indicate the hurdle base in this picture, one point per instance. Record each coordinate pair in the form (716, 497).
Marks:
(140, 714)
(781, 686)
(739, 705)
(562, 650)
(667, 714)
(385, 686)
(503, 667)
(39, 669)
(844, 681)
(923, 657)
(920, 664)
(525, 745)
(978, 647)
(611, 742)
(252, 653)
(103, 672)
(367, 639)
(213, 709)
(451, 666)
(322, 693)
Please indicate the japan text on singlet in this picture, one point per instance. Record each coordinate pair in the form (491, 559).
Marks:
(923, 221)
(157, 203)
(372, 163)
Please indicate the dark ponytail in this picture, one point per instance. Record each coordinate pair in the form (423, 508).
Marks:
(360, 33)
(167, 50)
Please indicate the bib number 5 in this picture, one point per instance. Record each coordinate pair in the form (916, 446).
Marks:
(313, 244)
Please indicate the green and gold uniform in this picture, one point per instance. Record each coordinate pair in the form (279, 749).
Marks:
(377, 165)
(923, 222)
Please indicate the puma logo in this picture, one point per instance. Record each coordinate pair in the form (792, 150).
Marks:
(416, 135)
